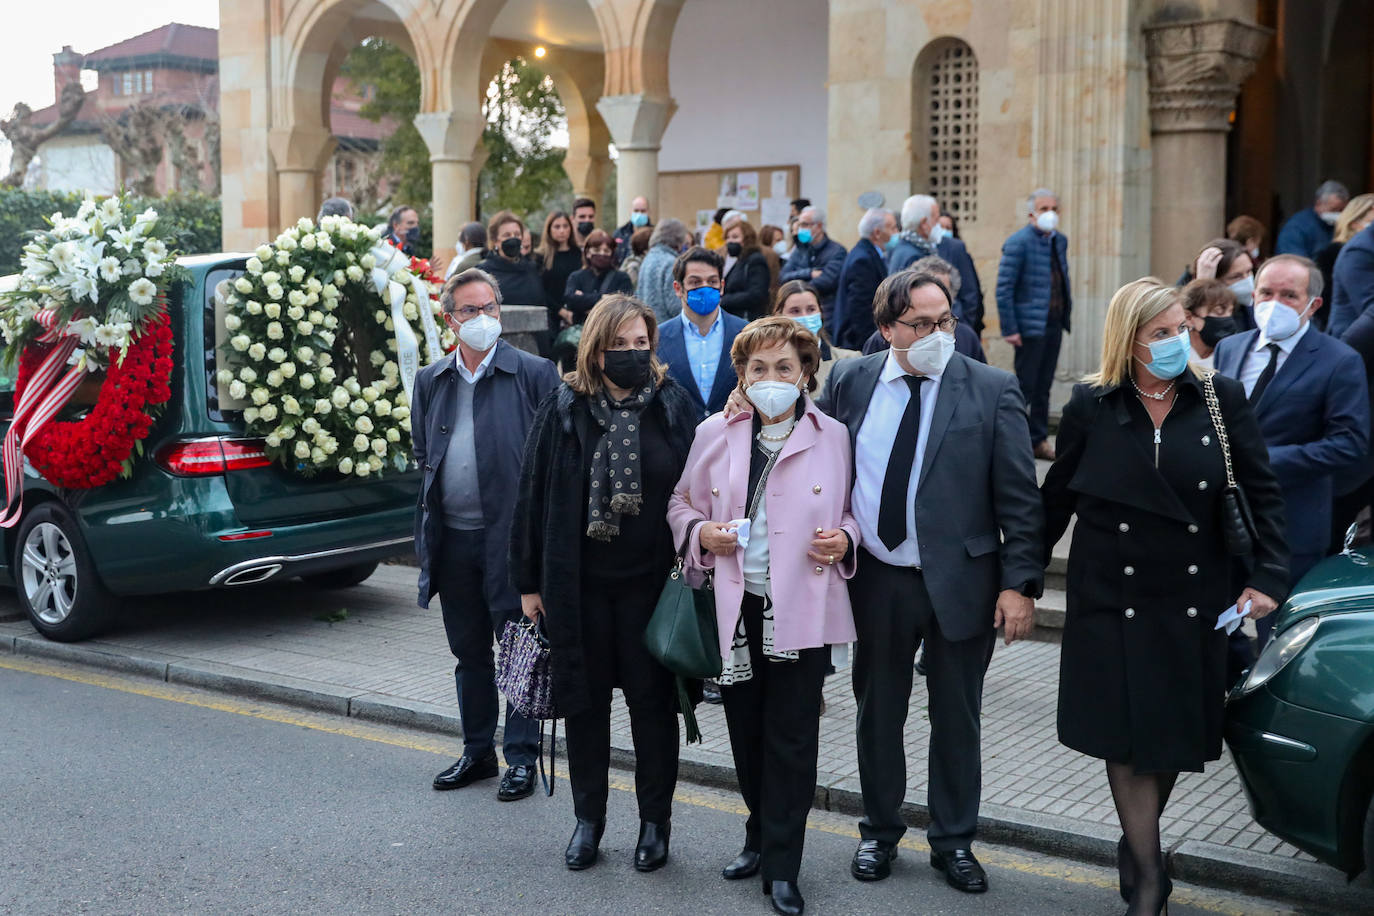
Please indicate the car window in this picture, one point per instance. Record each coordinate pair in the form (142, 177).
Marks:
(213, 279)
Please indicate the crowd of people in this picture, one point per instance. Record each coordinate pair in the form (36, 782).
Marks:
(817, 429)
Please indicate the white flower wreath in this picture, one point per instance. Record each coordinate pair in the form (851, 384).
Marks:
(314, 347)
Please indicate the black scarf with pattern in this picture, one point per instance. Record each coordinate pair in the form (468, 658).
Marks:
(616, 487)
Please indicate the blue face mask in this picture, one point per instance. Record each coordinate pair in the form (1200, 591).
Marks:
(891, 243)
(811, 322)
(1168, 358)
(703, 300)
(639, 219)
(804, 236)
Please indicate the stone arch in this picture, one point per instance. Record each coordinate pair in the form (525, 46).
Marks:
(944, 125)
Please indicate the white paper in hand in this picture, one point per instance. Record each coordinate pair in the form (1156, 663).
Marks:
(1232, 618)
(741, 528)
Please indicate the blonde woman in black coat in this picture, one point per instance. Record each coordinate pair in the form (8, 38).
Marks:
(1142, 669)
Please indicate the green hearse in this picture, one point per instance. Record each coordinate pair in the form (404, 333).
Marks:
(204, 507)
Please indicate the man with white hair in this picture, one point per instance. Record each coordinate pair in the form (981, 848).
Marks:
(817, 259)
(865, 267)
(1308, 231)
(1033, 304)
(923, 236)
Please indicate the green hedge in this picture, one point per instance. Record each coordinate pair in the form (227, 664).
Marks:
(193, 219)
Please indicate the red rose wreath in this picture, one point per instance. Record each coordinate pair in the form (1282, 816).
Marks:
(97, 448)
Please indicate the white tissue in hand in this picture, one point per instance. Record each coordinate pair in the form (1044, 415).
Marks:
(741, 528)
(1232, 618)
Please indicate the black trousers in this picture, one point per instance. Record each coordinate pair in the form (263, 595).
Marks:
(774, 721)
(1034, 362)
(892, 614)
(614, 615)
(471, 625)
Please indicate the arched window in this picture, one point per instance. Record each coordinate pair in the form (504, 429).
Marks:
(948, 86)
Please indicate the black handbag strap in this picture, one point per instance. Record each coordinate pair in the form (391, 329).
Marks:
(1209, 394)
(548, 780)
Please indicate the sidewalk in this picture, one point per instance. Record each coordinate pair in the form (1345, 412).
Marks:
(370, 652)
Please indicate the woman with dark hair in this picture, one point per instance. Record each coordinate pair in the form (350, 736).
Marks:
(639, 246)
(516, 275)
(1227, 261)
(559, 257)
(744, 292)
(590, 551)
(1211, 307)
(598, 277)
(798, 300)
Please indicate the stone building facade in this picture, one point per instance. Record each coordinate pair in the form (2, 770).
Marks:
(1155, 120)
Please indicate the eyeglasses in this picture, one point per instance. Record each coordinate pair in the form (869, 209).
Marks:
(470, 311)
(923, 326)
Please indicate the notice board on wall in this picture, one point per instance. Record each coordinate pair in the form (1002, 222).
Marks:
(762, 193)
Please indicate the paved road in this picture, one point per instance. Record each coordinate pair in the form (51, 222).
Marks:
(126, 795)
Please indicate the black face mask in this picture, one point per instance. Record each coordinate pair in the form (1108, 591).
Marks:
(585, 228)
(511, 247)
(733, 249)
(1215, 328)
(628, 369)
(412, 235)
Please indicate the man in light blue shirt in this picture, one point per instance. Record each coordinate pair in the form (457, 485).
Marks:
(696, 344)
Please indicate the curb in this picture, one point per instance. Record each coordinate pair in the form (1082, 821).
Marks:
(1197, 862)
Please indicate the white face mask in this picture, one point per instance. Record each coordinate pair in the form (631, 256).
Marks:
(780, 246)
(937, 234)
(1047, 221)
(1254, 254)
(1279, 321)
(480, 333)
(930, 354)
(1330, 217)
(1244, 289)
(773, 398)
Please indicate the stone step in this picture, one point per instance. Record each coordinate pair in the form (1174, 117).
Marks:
(1050, 609)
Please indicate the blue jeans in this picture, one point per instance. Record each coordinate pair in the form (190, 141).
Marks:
(471, 625)
(1035, 362)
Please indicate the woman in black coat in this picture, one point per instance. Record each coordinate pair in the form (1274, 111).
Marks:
(598, 277)
(517, 275)
(559, 259)
(594, 566)
(745, 292)
(1142, 667)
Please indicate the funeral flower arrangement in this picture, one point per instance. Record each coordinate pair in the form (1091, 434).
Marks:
(325, 331)
(89, 310)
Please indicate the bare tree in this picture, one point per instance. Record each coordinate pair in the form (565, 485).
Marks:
(137, 139)
(185, 153)
(25, 137)
(212, 149)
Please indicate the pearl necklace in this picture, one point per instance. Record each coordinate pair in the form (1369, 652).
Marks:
(1157, 397)
(783, 438)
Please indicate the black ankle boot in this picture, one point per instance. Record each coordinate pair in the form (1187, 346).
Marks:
(651, 852)
(786, 896)
(746, 865)
(586, 838)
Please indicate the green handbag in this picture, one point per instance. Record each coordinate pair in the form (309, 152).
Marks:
(682, 636)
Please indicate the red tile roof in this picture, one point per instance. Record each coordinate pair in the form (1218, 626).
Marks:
(173, 39)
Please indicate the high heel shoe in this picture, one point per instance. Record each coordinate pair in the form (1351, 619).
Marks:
(1125, 870)
(1159, 906)
(786, 897)
(582, 848)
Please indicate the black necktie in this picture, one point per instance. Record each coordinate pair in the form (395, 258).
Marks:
(1267, 375)
(900, 466)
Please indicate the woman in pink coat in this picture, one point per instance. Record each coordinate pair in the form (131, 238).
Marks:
(764, 502)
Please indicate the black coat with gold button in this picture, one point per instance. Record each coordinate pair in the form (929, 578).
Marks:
(1142, 669)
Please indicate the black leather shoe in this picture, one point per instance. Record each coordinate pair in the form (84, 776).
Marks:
(467, 770)
(962, 871)
(746, 865)
(873, 860)
(710, 692)
(586, 839)
(651, 852)
(787, 898)
(517, 783)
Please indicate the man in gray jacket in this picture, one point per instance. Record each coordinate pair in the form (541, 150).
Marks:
(469, 417)
(952, 529)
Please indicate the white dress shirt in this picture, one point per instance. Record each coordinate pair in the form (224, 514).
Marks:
(1258, 358)
(872, 447)
(472, 377)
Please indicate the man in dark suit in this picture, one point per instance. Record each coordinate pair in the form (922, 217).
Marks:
(864, 268)
(966, 340)
(817, 259)
(924, 235)
(1352, 320)
(1308, 231)
(951, 520)
(696, 344)
(1309, 396)
(470, 414)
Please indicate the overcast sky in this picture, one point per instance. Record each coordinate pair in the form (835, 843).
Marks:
(86, 25)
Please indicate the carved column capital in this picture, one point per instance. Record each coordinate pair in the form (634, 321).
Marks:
(1196, 69)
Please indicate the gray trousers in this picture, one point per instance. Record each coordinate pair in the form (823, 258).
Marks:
(892, 615)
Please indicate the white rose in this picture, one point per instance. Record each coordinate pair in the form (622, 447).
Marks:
(277, 355)
(306, 381)
(274, 331)
(305, 224)
(261, 396)
(254, 266)
(296, 273)
(382, 407)
(362, 470)
(286, 432)
(368, 262)
(310, 426)
(316, 316)
(331, 322)
(295, 313)
(327, 337)
(345, 465)
(317, 455)
(327, 375)
(302, 449)
(282, 258)
(273, 440)
(272, 310)
(268, 413)
(305, 354)
(339, 398)
(379, 315)
(314, 286)
(330, 446)
(400, 413)
(364, 425)
(374, 462)
(232, 322)
(359, 406)
(250, 414)
(288, 370)
(254, 307)
(224, 376)
(326, 244)
(275, 291)
(339, 278)
(379, 447)
(322, 406)
(352, 385)
(304, 328)
(286, 243)
(405, 425)
(393, 435)
(390, 326)
(308, 242)
(237, 390)
(257, 352)
(243, 285)
(354, 273)
(369, 394)
(291, 406)
(377, 358)
(361, 443)
(248, 374)
(263, 252)
(325, 359)
(296, 297)
(390, 369)
(240, 342)
(274, 378)
(271, 277)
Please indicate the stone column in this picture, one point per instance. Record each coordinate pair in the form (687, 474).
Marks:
(636, 123)
(300, 153)
(1195, 70)
(451, 138)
